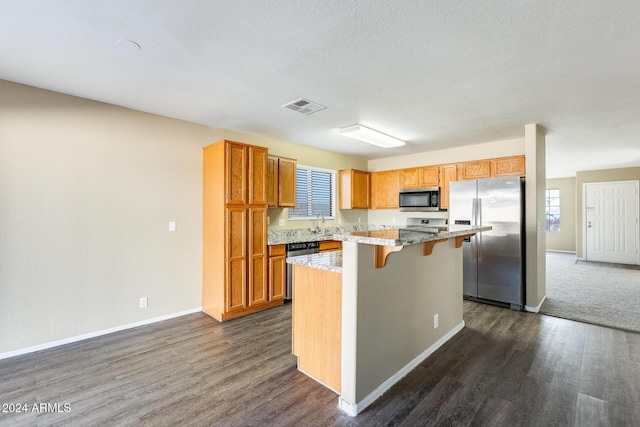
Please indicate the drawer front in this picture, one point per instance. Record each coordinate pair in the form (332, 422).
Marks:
(330, 245)
(277, 250)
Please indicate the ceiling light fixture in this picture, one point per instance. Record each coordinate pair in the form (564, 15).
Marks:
(363, 133)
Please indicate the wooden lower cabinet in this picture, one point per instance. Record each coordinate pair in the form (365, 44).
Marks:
(236, 262)
(330, 245)
(257, 241)
(246, 272)
(277, 271)
(317, 324)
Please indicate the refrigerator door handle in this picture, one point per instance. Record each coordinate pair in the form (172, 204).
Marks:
(474, 211)
(480, 224)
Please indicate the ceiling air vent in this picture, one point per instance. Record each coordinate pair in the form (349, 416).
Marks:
(304, 106)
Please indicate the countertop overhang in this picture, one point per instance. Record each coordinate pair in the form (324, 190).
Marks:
(406, 236)
(386, 241)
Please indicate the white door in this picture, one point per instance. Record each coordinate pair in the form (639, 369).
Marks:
(611, 222)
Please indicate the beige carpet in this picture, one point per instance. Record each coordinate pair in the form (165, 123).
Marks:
(593, 292)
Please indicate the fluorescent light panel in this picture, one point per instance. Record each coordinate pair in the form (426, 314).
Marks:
(363, 133)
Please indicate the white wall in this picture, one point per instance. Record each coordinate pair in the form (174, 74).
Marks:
(565, 239)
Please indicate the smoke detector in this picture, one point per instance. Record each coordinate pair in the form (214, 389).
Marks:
(304, 106)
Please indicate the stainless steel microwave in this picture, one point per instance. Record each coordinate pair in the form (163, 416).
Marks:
(420, 199)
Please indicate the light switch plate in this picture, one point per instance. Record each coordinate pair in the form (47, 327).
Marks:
(172, 226)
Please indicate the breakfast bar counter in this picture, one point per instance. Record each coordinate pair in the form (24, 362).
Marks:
(365, 316)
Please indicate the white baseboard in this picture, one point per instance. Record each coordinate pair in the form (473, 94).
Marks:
(77, 338)
(559, 251)
(354, 409)
(537, 308)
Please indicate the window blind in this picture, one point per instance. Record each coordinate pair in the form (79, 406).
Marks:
(314, 194)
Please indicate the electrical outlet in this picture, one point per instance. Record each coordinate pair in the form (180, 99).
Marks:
(143, 302)
(172, 226)
(393, 220)
(281, 222)
(359, 221)
(268, 220)
(339, 221)
(435, 321)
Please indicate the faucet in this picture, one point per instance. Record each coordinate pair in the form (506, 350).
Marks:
(320, 215)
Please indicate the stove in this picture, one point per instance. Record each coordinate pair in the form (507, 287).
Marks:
(427, 225)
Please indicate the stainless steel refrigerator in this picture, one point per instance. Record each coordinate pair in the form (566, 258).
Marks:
(493, 268)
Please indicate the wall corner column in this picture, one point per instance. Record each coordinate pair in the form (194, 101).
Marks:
(535, 234)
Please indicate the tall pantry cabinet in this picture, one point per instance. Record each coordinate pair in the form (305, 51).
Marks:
(234, 229)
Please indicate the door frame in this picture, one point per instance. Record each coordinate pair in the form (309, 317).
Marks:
(584, 214)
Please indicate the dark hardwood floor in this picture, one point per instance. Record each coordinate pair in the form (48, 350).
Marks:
(504, 368)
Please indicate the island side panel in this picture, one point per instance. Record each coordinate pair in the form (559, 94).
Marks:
(394, 309)
(317, 324)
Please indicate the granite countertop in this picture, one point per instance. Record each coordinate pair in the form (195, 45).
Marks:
(330, 261)
(297, 235)
(405, 236)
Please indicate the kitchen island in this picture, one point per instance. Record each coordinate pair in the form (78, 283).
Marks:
(364, 317)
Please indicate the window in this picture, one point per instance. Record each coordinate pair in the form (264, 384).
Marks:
(553, 210)
(315, 193)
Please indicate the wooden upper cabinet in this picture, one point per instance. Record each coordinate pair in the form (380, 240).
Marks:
(448, 173)
(385, 187)
(508, 166)
(355, 189)
(257, 175)
(429, 176)
(287, 182)
(475, 170)
(281, 182)
(236, 176)
(272, 181)
(410, 178)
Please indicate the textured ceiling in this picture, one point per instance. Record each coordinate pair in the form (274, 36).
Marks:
(437, 74)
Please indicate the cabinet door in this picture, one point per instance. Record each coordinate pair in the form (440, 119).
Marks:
(475, 170)
(508, 166)
(236, 174)
(360, 189)
(257, 176)
(429, 176)
(236, 259)
(385, 187)
(448, 173)
(354, 189)
(286, 182)
(272, 181)
(410, 178)
(277, 276)
(257, 256)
